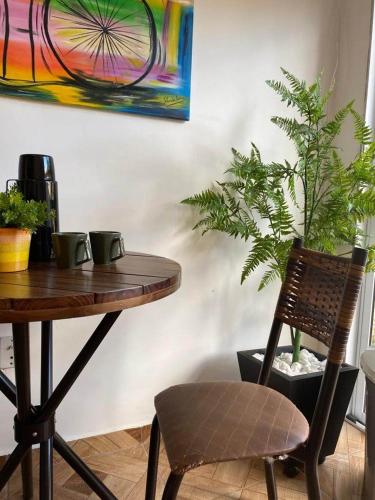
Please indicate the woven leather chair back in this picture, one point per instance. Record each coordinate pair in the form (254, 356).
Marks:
(319, 296)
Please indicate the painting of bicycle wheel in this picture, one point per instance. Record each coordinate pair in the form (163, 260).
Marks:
(129, 56)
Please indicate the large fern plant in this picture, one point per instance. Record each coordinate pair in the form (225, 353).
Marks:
(316, 196)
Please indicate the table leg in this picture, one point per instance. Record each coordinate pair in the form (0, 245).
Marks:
(11, 464)
(34, 425)
(76, 368)
(21, 344)
(81, 469)
(46, 385)
(8, 388)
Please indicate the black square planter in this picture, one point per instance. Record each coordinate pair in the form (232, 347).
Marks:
(303, 390)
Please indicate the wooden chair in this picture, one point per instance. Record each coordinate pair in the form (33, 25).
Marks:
(212, 422)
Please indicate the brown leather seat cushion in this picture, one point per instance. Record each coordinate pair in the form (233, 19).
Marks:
(212, 422)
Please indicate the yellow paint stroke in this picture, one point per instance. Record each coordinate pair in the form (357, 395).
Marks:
(173, 34)
(71, 95)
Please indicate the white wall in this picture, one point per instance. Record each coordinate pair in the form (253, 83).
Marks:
(352, 64)
(129, 173)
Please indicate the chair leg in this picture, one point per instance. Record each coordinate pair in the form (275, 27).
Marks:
(153, 460)
(312, 480)
(270, 478)
(172, 486)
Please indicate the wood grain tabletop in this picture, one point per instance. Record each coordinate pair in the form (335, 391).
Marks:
(44, 292)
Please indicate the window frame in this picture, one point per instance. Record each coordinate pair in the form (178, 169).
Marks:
(363, 337)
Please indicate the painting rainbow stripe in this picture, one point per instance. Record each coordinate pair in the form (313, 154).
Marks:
(122, 55)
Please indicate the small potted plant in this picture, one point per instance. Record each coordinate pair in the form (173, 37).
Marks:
(18, 220)
(316, 196)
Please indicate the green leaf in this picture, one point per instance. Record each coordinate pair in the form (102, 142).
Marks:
(333, 128)
(20, 213)
(262, 250)
(370, 265)
(317, 195)
(363, 133)
(269, 276)
(296, 85)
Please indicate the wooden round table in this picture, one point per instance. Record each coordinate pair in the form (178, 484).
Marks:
(45, 293)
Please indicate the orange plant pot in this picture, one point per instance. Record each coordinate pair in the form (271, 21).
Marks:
(14, 249)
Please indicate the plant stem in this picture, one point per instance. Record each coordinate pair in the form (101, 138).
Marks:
(316, 176)
(292, 334)
(305, 177)
(296, 346)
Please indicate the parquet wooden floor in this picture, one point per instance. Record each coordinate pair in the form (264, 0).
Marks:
(120, 460)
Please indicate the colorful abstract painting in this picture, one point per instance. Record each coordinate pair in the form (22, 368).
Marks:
(121, 55)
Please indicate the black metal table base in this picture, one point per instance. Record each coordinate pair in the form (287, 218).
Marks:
(36, 424)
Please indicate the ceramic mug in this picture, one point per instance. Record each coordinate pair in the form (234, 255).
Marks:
(106, 246)
(71, 249)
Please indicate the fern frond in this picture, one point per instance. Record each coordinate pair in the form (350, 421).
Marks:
(205, 200)
(362, 132)
(333, 128)
(296, 84)
(261, 251)
(364, 204)
(370, 265)
(288, 125)
(283, 91)
(269, 276)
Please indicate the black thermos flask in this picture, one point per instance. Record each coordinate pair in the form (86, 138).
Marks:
(36, 180)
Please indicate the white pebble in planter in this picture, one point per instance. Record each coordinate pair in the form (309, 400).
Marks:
(308, 363)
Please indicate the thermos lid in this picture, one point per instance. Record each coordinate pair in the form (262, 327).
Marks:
(36, 167)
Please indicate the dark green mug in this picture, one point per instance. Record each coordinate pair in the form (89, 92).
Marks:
(71, 249)
(106, 246)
